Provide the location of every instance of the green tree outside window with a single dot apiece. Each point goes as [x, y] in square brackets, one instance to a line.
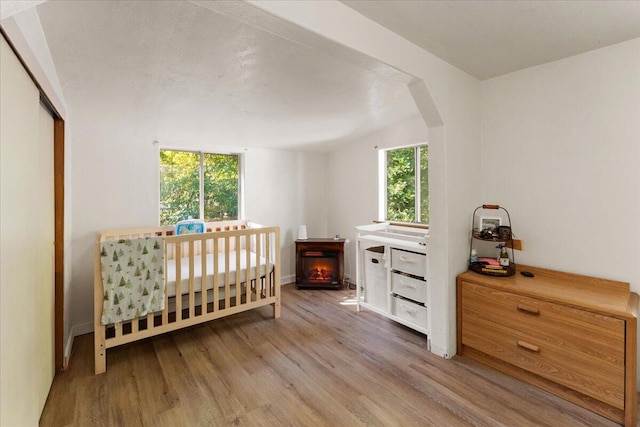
[200, 185]
[221, 187]
[407, 184]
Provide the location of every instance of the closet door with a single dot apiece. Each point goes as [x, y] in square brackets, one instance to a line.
[27, 246]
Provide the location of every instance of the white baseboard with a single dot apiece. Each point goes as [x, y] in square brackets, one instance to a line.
[285, 280]
[81, 329]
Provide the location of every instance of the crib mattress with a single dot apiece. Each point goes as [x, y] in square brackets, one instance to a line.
[197, 273]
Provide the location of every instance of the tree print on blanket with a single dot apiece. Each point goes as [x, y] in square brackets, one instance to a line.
[133, 278]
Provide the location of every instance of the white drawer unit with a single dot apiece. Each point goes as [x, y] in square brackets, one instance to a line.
[409, 287]
[409, 262]
[408, 310]
[391, 273]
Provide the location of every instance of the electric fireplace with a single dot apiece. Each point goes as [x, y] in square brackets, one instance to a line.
[319, 263]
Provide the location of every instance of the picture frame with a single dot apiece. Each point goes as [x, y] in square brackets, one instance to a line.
[490, 222]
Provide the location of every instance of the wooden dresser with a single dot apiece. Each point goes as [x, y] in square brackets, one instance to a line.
[574, 336]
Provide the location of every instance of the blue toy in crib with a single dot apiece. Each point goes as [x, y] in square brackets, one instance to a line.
[190, 226]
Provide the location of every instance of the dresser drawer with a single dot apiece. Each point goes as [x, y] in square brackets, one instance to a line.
[582, 372]
[409, 311]
[409, 287]
[598, 336]
[409, 262]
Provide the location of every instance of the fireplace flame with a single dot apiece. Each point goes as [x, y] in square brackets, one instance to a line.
[320, 272]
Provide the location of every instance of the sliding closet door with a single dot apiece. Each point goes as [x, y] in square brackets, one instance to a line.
[27, 246]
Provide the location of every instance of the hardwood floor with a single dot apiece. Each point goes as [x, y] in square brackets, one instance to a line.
[320, 364]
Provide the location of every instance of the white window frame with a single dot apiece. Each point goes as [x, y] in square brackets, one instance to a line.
[382, 181]
[241, 184]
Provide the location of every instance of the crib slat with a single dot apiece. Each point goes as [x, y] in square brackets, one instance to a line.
[150, 324]
[118, 328]
[165, 312]
[204, 307]
[178, 293]
[258, 278]
[247, 270]
[276, 274]
[216, 284]
[100, 359]
[267, 257]
[227, 287]
[238, 279]
[192, 256]
[134, 325]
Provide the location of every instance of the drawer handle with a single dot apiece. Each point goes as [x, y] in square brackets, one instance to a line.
[408, 309]
[530, 347]
[407, 260]
[529, 310]
[408, 285]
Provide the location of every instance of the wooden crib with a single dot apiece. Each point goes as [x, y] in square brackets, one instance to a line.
[233, 267]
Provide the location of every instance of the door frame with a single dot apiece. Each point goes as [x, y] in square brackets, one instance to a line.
[58, 184]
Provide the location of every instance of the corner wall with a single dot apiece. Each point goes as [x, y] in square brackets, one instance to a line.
[560, 150]
[352, 191]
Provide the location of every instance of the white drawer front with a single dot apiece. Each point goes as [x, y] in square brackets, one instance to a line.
[409, 287]
[409, 262]
[409, 311]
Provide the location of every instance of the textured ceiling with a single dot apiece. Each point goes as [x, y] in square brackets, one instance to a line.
[187, 74]
[490, 38]
[184, 73]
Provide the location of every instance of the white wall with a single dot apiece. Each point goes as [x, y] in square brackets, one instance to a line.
[560, 150]
[286, 188]
[312, 193]
[27, 253]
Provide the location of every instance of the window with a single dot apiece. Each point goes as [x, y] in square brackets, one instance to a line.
[405, 179]
[200, 185]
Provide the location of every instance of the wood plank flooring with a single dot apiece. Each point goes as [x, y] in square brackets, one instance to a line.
[320, 364]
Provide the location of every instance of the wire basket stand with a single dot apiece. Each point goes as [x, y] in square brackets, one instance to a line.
[477, 234]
